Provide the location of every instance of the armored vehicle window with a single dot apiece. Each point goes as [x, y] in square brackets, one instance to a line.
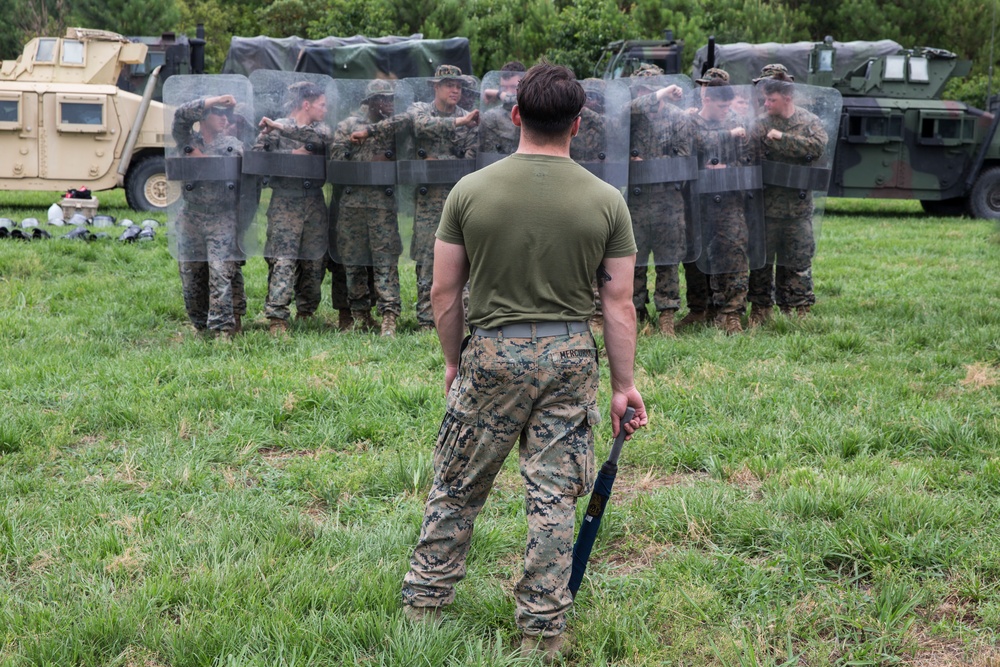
[46, 51]
[895, 68]
[80, 113]
[940, 128]
[918, 70]
[874, 129]
[9, 114]
[72, 52]
[153, 60]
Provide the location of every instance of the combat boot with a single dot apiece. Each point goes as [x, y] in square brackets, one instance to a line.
[345, 320]
[665, 324]
[729, 322]
[389, 324]
[548, 649]
[363, 320]
[691, 319]
[759, 315]
[801, 311]
[428, 615]
[277, 326]
[785, 310]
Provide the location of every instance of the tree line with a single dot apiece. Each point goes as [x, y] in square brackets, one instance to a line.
[569, 33]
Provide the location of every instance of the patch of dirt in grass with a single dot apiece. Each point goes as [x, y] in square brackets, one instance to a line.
[980, 376]
[128, 562]
[744, 478]
[633, 482]
[276, 455]
[634, 555]
[938, 652]
[41, 562]
[133, 656]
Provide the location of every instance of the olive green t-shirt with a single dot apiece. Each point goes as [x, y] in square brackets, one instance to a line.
[535, 229]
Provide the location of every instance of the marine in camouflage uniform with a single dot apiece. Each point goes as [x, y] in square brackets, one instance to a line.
[789, 134]
[367, 227]
[207, 225]
[297, 223]
[658, 129]
[698, 290]
[497, 132]
[585, 147]
[723, 143]
[527, 376]
[441, 131]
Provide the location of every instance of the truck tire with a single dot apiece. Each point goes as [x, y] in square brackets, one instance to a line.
[984, 200]
[146, 185]
[944, 208]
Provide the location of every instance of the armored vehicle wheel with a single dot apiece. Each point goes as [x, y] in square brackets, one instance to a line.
[984, 200]
[944, 208]
[146, 185]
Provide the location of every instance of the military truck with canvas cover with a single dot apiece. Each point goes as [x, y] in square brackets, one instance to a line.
[897, 138]
[65, 124]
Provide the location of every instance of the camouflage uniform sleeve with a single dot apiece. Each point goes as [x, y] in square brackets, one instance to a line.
[340, 144]
[802, 139]
[318, 134]
[185, 117]
[427, 124]
[387, 128]
[684, 133]
[266, 141]
[645, 105]
[226, 146]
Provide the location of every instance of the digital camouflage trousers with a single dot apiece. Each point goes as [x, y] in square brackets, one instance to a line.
[539, 394]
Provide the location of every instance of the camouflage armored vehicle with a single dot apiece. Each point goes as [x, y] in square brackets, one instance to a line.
[898, 139]
[619, 59]
[172, 53]
[65, 124]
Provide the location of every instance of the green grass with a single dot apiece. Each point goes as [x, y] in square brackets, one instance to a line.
[818, 492]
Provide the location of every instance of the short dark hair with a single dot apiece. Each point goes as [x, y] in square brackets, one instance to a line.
[513, 66]
[549, 99]
[779, 83]
[717, 89]
[303, 91]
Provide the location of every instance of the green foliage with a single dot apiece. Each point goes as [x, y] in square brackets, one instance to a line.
[285, 18]
[582, 29]
[345, 18]
[129, 17]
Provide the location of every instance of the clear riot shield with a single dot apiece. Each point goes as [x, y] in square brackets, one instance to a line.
[437, 144]
[601, 145]
[498, 136]
[796, 134]
[211, 220]
[288, 158]
[362, 169]
[661, 170]
[729, 200]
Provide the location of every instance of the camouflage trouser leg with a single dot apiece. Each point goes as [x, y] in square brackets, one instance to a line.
[425, 278]
[220, 296]
[309, 276]
[790, 246]
[387, 288]
[729, 292]
[280, 287]
[761, 286]
[538, 393]
[338, 287]
[598, 307]
[239, 291]
[699, 293]
[793, 287]
[668, 288]
[194, 286]
[368, 285]
[640, 293]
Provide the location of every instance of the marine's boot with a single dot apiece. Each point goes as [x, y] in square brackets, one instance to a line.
[277, 326]
[801, 311]
[345, 320]
[363, 320]
[759, 315]
[729, 322]
[665, 323]
[786, 310]
[548, 649]
[428, 615]
[691, 319]
[389, 324]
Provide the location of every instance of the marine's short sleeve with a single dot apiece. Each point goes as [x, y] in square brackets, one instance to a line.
[621, 242]
[450, 228]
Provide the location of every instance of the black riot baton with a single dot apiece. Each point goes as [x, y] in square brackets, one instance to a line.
[595, 508]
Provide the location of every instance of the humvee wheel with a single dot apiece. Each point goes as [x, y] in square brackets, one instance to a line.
[984, 200]
[147, 187]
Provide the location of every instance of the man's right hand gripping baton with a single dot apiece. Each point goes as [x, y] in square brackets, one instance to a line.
[595, 508]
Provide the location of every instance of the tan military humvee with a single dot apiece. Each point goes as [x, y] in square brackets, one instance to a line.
[65, 124]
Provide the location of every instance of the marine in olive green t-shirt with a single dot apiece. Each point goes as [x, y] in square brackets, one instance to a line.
[535, 265]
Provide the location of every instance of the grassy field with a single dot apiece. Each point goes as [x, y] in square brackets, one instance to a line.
[818, 492]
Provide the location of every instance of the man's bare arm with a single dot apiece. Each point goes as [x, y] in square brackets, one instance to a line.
[451, 272]
[619, 340]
